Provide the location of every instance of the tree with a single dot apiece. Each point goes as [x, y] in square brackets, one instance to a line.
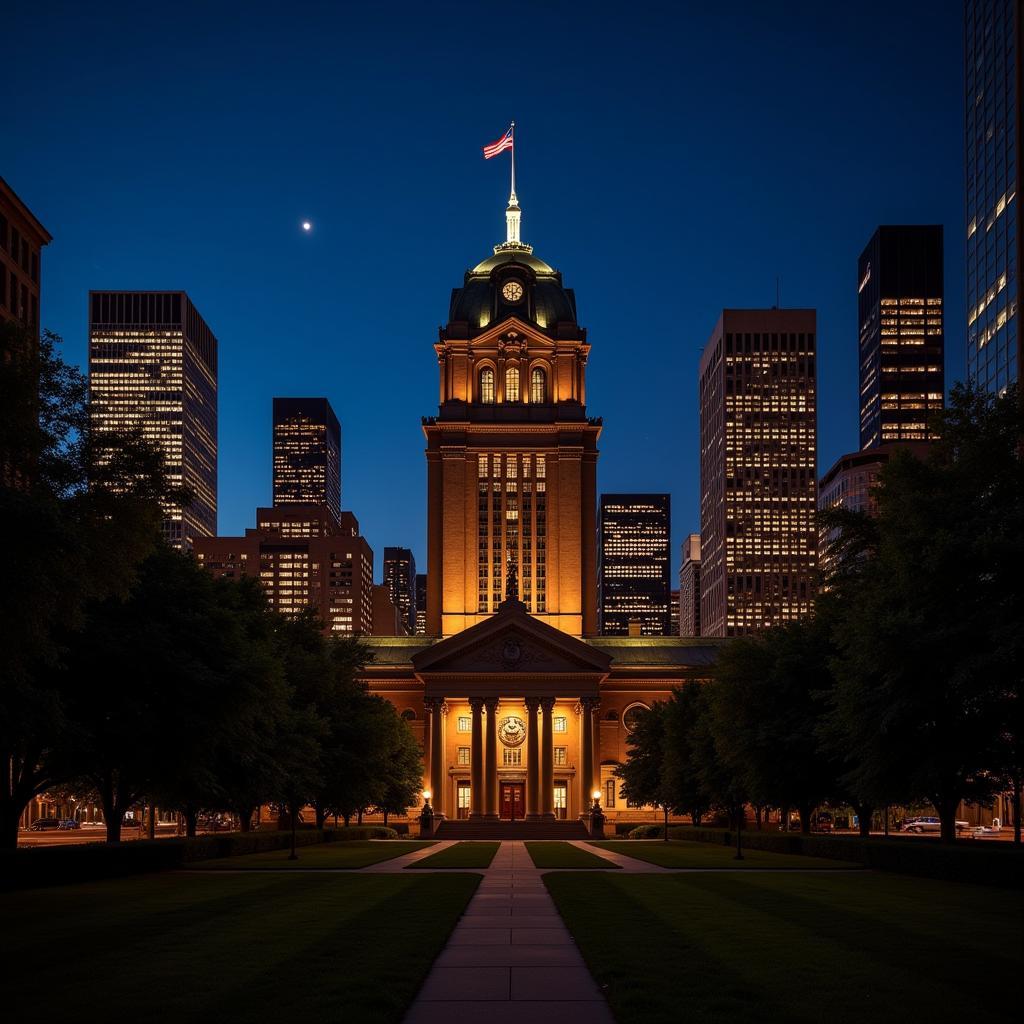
[85, 511]
[928, 668]
[645, 776]
[683, 777]
[398, 764]
[766, 706]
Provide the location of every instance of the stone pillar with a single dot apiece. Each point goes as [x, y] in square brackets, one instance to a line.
[437, 781]
[476, 760]
[491, 760]
[586, 768]
[532, 759]
[547, 755]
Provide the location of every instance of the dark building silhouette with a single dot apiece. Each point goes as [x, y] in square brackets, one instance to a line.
[153, 365]
[22, 238]
[307, 453]
[993, 157]
[634, 573]
[689, 587]
[899, 303]
[400, 579]
[758, 470]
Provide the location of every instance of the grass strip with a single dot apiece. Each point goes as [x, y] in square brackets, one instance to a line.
[461, 855]
[560, 854]
[232, 948]
[753, 947]
[348, 855]
[681, 854]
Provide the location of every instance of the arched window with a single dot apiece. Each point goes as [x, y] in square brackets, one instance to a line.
[538, 385]
[487, 386]
[512, 384]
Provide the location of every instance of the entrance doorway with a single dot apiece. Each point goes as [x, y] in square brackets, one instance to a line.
[513, 803]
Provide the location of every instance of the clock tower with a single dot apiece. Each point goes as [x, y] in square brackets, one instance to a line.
[512, 454]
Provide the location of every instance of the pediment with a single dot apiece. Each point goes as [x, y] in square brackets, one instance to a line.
[512, 641]
[512, 330]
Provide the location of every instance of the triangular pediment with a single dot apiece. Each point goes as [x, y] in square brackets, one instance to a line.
[512, 641]
[519, 330]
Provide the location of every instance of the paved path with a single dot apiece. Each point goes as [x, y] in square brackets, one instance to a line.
[510, 957]
[398, 863]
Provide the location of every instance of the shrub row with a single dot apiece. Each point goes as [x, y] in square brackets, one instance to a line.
[992, 864]
[86, 862]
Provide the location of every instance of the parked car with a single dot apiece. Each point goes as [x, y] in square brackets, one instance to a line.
[44, 825]
[822, 823]
[923, 823]
[69, 825]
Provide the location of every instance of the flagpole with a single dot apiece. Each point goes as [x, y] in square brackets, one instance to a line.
[513, 129]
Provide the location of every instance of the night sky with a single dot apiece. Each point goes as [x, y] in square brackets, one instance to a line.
[670, 162]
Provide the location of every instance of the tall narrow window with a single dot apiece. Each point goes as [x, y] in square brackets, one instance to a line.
[487, 386]
[538, 385]
[512, 384]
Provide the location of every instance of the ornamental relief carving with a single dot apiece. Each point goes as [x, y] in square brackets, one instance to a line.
[511, 654]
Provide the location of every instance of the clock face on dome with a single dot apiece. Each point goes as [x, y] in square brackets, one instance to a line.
[513, 291]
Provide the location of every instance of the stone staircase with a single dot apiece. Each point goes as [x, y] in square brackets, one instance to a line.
[543, 829]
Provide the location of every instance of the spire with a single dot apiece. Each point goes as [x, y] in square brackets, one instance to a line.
[513, 214]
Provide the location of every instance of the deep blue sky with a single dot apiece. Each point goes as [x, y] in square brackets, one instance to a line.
[672, 159]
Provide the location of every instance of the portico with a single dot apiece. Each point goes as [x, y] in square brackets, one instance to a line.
[511, 705]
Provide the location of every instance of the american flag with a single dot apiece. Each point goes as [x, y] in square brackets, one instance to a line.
[505, 142]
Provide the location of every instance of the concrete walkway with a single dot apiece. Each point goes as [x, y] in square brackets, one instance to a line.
[510, 957]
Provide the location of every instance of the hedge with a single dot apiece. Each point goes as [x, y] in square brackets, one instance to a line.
[996, 864]
[87, 862]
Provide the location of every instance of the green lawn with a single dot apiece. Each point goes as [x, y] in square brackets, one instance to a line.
[355, 853]
[682, 854]
[461, 855]
[798, 947]
[257, 947]
[564, 855]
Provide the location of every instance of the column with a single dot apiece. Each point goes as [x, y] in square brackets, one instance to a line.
[547, 757]
[532, 759]
[476, 760]
[437, 781]
[491, 760]
[586, 767]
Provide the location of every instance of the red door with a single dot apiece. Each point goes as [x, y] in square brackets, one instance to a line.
[513, 805]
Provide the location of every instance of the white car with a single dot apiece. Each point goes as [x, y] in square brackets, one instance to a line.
[930, 824]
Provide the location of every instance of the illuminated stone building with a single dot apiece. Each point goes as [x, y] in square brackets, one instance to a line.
[634, 581]
[304, 557]
[993, 157]
[758, 480]
[512, 454]
[153, 365]
[307, 454]
[523, 711]
[899, 303]
[400, 579]
[689, 587]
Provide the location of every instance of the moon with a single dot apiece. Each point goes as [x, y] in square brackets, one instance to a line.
[307, 225]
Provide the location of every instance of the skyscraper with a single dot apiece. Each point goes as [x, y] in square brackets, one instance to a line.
[689, 587]
[307, 453]
[512, 453]
[899, 302]
[153, 365]
[758, 461]
[634, 575]
[993, 157]
[400, 579]
[421, 604]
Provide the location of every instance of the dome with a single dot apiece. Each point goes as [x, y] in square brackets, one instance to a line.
[479, 302]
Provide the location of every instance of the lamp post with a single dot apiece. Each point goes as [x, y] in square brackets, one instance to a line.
[426, 816]
[596, 816]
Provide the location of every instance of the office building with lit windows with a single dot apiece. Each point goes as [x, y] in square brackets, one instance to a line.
[303, 557]
[902, 344]
[689, 587]
[634, 574]
[153, 366]
[400, 579]
[307, 453]
[758, 470]
[993, 156]
[421, 604]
